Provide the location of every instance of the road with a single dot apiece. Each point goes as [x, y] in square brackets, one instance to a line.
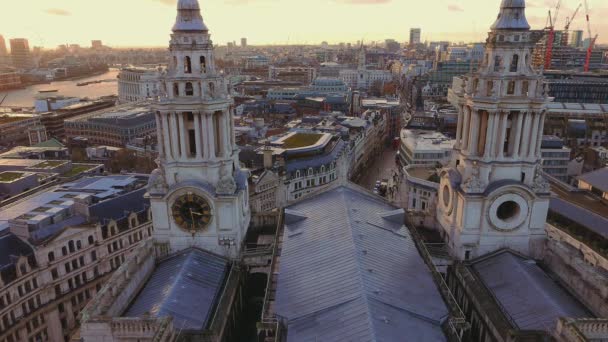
[384, 167]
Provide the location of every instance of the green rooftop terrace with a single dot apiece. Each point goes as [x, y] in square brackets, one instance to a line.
[7, 177]
[300, 140]
[49, 164]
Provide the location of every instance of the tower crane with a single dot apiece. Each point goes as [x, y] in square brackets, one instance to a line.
[551, 38]
[565, 34]
[592, 39]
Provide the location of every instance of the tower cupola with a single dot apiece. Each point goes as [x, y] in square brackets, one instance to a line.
[189, 17]
[512, 16]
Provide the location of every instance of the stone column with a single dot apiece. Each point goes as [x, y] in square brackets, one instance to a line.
[474, 133]
[494, 142]
[174, 136]
[525, 138]
[225, 127]
[518, 130]
[459, 128]
[211, 135]
[182, 135]
[502, 132]
[466, 128]
[541, 124]
[166, 136]
[534, 135]
[205, 137]
[197, 135]
[159, 133]
[489, 135]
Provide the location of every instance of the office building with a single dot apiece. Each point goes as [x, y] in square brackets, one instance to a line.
[424, 148]
[9, 79]
[20, 54]
[555, 157]
[415, 36]
[96, 44]
[243, 42]
[117, 126]
[137, 84]
[3, 50]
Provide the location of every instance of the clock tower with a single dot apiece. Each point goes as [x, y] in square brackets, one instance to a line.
[493, 196]
[199, 196]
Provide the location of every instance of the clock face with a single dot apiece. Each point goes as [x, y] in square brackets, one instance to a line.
[192, 212]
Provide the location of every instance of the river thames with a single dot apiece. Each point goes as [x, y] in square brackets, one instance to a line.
[25, 97]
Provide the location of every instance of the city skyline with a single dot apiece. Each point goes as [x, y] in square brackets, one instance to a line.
[53, 24]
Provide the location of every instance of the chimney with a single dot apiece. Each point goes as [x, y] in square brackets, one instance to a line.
[267, 157]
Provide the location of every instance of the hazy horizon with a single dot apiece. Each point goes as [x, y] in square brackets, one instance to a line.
[147, 23]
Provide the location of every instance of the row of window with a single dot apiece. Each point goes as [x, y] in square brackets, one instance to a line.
[71, 247]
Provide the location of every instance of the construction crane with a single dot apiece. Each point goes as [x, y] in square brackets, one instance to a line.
[565, 34]
[592, 39]
[551, 38]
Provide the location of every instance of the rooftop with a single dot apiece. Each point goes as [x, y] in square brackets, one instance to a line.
[349, 270]
[597, 179]
[528, 296]
[185, 287]
[9, 176]
[422, 140]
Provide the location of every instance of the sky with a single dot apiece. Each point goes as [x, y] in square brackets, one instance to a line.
[143, 23]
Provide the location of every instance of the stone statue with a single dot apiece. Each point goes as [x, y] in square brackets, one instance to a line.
[473, 184]
[226, 185]
[540, 184]
[157, 183]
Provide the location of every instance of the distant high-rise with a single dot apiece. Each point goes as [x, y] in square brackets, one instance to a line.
[3, 51]
[96, 44]
[415, 34]
[20, 53]
[243, 42]
[576, 38]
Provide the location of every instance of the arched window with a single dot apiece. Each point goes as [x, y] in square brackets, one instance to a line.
[298, 174]
[64, 250]
[524, 88]
[211, 89]
[91, 240]
[187, 65]
[174, 62]
[497, 63]
[203, 62]
[310, 171]
[78, 245]
[514, 63]
[71, 246]
[51, 256]
[175, 89]
[189, 89]
[323, 169]
[490, 88]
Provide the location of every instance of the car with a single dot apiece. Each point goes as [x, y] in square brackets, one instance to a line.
[378, 183]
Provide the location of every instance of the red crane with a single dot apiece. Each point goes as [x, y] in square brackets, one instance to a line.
[592, 39]
[551, 38]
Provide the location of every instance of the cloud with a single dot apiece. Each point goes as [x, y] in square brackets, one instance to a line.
[455, 8]
[363, 2]
[57, 11]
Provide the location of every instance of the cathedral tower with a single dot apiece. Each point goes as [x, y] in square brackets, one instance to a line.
[199, 195]
[492, 196]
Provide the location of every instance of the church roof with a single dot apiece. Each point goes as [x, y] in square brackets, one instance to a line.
[189, 17]
[184, 287]
[350, 270]
[512, 16]
[525, 292]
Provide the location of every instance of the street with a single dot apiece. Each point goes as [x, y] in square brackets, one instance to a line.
[385, 167]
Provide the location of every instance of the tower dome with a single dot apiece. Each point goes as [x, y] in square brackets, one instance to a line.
[189, 17]
[512, 16]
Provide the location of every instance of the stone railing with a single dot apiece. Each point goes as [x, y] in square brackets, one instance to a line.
[141, 328]
[122, 287]
[589, 254]
[570, 330]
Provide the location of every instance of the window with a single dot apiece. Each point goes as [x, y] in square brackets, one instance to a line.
[490, 88]
[187, 65]
[54, 273]
[78, 245]
[175, 89]
[189, 89]
[497, 63]
[51, 256]
[525, 87]
[203, 64]
[91, 240]
[64, 250]
[511, 88]
[514, 63]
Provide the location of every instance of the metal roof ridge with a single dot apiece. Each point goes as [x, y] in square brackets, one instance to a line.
[357, 257]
